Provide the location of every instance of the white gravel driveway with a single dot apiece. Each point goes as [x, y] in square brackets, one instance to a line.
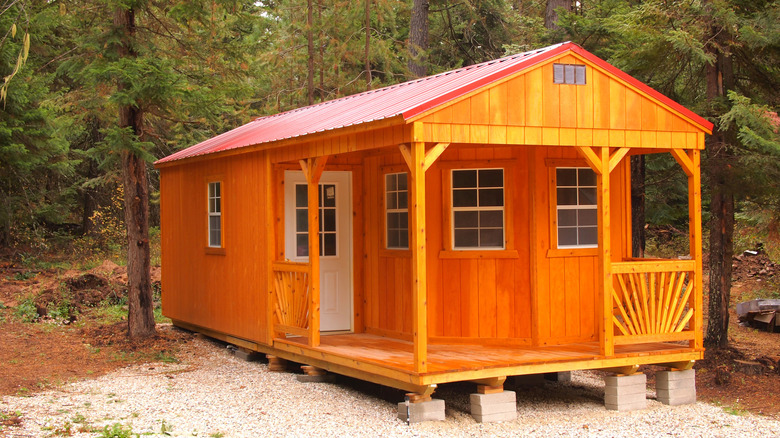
[213, 394]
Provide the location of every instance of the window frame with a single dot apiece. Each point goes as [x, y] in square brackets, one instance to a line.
[212, 248]
[448, 252]
[394, 170]
[566, 251]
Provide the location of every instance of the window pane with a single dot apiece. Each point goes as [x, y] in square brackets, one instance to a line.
[491, 197]
[587, 217]
[301, 220]
[392, 238]
[217, 191]
[464, 198]
[589, 235]
[466, 219]
[402, 202]
[404, 239]
[467, 238]
[587, 177]
[566, 177]
[330, 195]
[212, 190]
[568, 73]
[567, 236]
[214, 238]
[491, 219]
[390, 182]
[215, 232]
[403, 220]
[464, 178]
[392, 221]
[330, 219]
[212, 205]
[401, 181]
[567, 196]
[491, 238]
[302, 245]
[587, 196]
[392, 201]
[301, 195]
[567, 218]
[579, 72]
[557, 73]
[329, 247]
[491, 178]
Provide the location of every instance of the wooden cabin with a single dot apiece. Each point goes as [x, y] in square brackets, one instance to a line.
[466, 226]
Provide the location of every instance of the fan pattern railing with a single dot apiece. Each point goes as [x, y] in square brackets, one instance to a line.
[653, 301]
[291, 281]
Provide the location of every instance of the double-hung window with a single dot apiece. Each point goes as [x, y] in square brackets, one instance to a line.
[478, 209]
[215, 214]
[577, 208]
[397, 211]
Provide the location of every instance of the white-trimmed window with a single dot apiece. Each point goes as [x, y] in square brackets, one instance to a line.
[215, 214]
[396, 211]
[478, 209]
[577, 208]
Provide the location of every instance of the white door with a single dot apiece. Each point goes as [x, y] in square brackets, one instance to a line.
[335, 241]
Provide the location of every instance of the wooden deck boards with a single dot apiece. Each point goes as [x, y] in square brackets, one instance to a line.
[452, 358]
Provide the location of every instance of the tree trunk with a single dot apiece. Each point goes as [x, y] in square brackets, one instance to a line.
[140, 314]
[720, 78]
[551, 14]
[638, 206]
[418, 38]
[310, 40]
[368, 44]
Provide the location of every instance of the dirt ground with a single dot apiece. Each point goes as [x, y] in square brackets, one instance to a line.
[79, 344]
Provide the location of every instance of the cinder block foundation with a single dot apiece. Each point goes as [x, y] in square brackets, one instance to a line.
[625, 393]
[526, 380]
[676, 387]
[488, 408]
[431, 410]
[563, 376]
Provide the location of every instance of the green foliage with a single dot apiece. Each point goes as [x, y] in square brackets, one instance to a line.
[116, 430]
[26, 311]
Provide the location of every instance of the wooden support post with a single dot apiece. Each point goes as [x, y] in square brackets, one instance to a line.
[312, 170]
[606, 331]
[270, 243]
[419, 279]
[276, 364]
[694, 228]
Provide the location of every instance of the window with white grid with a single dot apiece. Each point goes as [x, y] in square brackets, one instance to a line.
[478, 208]
[396, 211]
[577, 208]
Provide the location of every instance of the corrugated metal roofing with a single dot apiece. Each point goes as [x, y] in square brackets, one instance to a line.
[407, 99]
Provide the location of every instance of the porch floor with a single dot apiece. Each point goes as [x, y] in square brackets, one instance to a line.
[446, 361]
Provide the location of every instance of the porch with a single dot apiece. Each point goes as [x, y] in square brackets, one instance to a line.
[390, 361]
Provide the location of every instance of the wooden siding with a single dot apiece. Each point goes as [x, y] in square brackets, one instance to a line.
[222, 290]
[530, 109]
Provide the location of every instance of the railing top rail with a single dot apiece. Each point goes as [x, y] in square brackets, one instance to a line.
[652, 265]
[288, 266]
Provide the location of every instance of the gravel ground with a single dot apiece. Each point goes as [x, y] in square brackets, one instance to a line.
[210, 393]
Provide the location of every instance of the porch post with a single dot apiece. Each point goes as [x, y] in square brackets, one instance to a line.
[312, 170]
[270, 235]
[419, 278]
[694, 228]
[606, 336]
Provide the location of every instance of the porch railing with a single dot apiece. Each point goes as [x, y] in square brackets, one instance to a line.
[653, 301]
[291, 281]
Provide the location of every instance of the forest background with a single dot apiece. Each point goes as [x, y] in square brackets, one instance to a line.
[75, 72]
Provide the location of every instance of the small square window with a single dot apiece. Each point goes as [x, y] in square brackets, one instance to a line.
[573, 74]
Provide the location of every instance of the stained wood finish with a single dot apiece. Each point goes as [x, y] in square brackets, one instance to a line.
[292, 293]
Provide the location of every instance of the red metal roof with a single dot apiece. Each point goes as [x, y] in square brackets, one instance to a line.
[407, 100]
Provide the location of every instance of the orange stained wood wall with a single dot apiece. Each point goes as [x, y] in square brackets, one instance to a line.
[486, 298]
[222, 290]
